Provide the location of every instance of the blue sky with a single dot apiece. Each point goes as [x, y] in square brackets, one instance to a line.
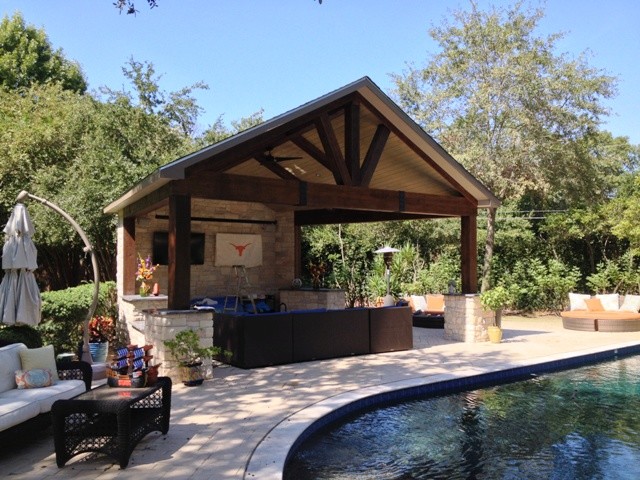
[279, 54]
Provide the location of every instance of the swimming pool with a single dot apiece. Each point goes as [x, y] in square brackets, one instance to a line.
[577, 424]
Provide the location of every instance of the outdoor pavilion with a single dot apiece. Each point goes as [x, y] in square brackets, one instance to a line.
[353, 156]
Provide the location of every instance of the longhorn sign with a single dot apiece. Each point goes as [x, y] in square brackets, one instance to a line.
[240, 248]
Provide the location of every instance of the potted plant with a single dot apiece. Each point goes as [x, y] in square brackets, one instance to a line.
[102, 329]
[495, 299]
[186, 349]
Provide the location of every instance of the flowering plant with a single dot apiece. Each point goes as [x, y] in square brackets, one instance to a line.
[145, 268]
[316, 270]
[101, 329]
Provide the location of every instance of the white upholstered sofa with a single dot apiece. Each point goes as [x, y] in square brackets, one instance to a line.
[20, 405]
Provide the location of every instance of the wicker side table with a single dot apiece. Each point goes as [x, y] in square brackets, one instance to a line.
[110, 420]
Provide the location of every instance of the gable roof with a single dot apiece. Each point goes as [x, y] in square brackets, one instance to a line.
[349, 141]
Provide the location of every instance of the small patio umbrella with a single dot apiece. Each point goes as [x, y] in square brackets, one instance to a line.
[19, 293]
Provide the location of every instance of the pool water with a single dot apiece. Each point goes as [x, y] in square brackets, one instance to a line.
[576, 424]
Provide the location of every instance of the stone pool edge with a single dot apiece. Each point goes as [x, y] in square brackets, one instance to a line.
[269, 457]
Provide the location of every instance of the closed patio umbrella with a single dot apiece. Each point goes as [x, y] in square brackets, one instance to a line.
[19, 293]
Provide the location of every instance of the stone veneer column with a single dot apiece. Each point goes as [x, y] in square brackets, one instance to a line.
[163, 325]
[307, 299]
[465, 320]
[131, 315]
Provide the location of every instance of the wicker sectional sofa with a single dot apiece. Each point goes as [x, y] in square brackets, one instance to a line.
[602, 313]
[18, 407]
[299, 336]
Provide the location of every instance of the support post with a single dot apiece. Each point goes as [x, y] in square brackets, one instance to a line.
[179, 252]
[469, 253]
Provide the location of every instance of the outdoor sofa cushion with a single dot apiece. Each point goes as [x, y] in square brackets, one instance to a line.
[429, 304]
[576, 301]
[610, 301]
[594, 305]
[631, 303]
[20, 405]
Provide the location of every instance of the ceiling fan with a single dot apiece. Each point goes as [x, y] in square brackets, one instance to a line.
[268, 157]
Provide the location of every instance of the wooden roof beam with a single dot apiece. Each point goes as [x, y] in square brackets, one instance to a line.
[374, 153]
[320, 196]
[332, 150]
[352, 140]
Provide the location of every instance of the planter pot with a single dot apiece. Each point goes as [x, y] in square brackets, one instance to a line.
[192, 375]
[495, 334]
[99, 352]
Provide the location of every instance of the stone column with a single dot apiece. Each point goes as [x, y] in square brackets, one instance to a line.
[164, 324]
[465, 320]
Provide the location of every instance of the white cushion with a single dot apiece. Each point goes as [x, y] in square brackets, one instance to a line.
[610, 301]
[419, 302]
[43, 398]
[9, 363]
[576, 301]
[15, 410]
[631, 303]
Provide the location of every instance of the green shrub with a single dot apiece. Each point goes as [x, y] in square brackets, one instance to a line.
[21, 334]
[64, 312]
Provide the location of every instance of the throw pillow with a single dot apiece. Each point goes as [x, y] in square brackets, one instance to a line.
[39, 358]
[435, 303]
[610, 301]
[631, 303]
[36, 378]
[576, 301]
[594, 305]
[418, 303]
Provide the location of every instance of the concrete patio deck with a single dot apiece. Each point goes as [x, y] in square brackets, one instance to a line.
[216, 428]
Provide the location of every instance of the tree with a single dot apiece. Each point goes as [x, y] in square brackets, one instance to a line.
[180, 108]
[513, 112]
[27, 58]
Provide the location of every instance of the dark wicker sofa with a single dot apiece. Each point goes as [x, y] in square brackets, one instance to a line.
[288, 337]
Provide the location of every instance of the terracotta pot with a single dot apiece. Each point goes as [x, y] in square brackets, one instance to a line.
[192, 375]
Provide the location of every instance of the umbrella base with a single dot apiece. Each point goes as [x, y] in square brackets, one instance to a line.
[99, 371]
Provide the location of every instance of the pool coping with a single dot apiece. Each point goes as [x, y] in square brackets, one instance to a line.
[269, 457]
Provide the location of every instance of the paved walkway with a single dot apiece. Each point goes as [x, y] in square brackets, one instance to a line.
[215, 428]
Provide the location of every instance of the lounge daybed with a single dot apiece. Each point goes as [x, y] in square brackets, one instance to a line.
[30, 405]
[287, 337]
[602, 313]
[427, 310]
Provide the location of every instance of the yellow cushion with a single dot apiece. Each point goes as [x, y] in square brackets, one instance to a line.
[43, 357]
[594, 305]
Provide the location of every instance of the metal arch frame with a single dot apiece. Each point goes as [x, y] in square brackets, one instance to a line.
[88, 248]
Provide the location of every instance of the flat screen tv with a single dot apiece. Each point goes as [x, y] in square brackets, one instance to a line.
[161, 248]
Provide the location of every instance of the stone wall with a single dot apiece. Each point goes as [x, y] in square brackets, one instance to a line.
[306, 299]
[163, 325]
[278, 246]
[465, 320]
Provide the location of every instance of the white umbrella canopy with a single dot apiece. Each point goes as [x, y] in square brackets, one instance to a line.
[19, 293]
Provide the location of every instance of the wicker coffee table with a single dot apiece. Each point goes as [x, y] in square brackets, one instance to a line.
[110, 420]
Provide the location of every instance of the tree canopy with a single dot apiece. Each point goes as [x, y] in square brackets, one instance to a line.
[516, 114]
[27, 58]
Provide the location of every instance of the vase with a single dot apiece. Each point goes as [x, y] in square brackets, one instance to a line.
[495, 334]
[145, 289]
[99, 351]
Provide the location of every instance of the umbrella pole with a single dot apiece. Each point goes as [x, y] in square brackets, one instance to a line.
[86, 355]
